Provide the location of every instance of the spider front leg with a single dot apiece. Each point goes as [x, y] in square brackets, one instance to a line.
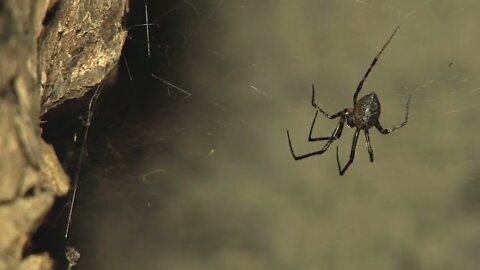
[390, 130]
[338, 130]
[335, 135]
[352, 154]
[320, 109]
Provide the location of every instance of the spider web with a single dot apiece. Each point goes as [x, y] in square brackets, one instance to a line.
[190, 168]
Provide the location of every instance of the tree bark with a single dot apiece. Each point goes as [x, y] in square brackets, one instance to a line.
[44, 62]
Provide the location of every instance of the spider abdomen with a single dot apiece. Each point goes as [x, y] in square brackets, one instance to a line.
[367, 111]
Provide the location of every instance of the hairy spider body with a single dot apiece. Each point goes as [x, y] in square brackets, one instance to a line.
[364, 115]
[366, 112]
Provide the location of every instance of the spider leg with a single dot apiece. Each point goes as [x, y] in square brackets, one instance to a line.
[320, 109]
[389, 130]
[369, 146]
[360, 84]
[352, 154]
[335, 135]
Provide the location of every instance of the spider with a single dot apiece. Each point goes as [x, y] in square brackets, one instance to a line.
[363, 115]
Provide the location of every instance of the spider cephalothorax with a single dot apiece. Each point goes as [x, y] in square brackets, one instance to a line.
[364, 114]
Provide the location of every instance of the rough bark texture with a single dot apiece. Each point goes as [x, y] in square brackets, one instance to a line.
[80, 46]
[40, 67]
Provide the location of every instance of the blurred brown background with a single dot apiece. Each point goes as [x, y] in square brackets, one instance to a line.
[208, 182]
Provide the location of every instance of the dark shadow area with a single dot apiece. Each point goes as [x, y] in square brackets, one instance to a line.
[129, 97]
